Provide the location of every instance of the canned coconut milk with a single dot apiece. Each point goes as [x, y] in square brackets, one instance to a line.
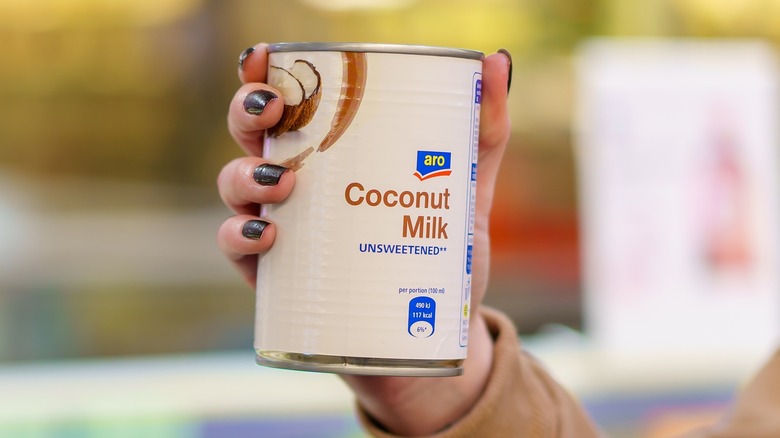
[371, 269]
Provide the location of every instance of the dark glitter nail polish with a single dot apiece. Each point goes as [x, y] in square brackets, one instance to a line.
[256, 101]
[254, 229]
[268, 174]
[509, 80]
[244, 55]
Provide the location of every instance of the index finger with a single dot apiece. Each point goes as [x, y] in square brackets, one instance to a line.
[253, 63]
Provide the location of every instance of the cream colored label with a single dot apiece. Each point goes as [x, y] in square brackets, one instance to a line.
[372, 254]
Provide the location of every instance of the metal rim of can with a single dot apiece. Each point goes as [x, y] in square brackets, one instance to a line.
[377, 48]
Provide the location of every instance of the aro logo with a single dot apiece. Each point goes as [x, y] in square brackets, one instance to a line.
[431, 164]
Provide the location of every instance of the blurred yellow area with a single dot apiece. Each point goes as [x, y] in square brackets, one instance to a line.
[57, 14]
[730, 17]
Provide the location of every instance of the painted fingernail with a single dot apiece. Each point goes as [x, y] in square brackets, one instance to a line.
[268, 174]
[244, 55]
[254, 229]
[255, 102]
[509, 80]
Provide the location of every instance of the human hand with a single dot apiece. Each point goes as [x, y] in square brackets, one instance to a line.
[393, 401]
[249, 181]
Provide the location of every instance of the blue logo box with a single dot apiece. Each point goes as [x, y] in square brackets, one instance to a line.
[431, 164]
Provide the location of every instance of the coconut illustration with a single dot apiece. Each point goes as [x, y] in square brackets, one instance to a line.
[353, 86]
[301, 86]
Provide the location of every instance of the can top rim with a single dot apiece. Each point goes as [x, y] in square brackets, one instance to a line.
[377, 48]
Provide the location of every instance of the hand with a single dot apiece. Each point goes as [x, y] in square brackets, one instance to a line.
[254, 108]
[404, 405]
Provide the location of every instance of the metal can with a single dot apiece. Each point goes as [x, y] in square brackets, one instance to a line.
[370, 272]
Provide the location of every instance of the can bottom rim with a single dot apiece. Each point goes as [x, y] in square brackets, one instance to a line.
[360, 365]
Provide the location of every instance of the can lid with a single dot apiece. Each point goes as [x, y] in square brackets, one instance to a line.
[377, 48]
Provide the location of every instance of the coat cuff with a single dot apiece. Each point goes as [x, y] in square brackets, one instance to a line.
[519, 399]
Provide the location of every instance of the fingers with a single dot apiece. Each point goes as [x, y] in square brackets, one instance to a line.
[241, 238]
[248, 181]
[253, 64]
[254, 108]
[243, 184]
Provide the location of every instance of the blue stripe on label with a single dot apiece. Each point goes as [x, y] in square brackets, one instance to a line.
[469, 254]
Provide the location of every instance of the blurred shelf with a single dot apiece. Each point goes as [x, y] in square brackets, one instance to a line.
[193, 395]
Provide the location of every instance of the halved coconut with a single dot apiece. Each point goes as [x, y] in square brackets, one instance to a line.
[311, 81]
[293, 93]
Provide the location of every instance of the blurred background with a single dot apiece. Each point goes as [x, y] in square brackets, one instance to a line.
[112, 132]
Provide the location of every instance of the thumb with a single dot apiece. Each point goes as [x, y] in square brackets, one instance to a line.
[494, 124]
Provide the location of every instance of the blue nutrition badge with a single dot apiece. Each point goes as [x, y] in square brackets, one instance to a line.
[422, 317]
[431, 164]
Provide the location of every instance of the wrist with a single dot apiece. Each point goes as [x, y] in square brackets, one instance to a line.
[413, 406]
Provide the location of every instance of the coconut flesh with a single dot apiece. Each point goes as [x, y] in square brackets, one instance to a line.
[301, 88]
[288, 84]
[310, 80]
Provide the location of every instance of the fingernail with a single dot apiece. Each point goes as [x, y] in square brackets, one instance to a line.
[268, 174]
[509, 80]
[244, 55]
[254, 229]
[256, 101]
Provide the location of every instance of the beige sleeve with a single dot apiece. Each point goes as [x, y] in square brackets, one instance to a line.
[756, 413]
[520, 399]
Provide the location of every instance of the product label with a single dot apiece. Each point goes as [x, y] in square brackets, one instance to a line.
[373, 251]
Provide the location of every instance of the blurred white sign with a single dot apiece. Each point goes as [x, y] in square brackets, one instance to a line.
[677, 152]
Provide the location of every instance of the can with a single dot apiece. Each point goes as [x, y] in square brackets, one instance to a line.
[370, 272]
